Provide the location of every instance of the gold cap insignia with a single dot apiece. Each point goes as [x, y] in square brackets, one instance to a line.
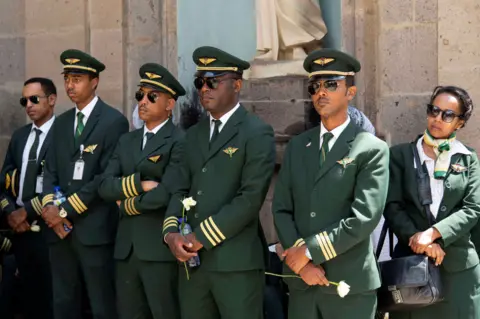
[153, 75]
[324, 61]
[458, 168]
[230, 151]
[345, 161]
[207, 61]
[90, 148]
[72, 61]
[154, 159]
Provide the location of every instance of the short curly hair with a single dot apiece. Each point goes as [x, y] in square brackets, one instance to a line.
[460, 94]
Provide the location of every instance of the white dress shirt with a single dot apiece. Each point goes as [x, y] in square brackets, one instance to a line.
[436, 185]
[87, 111]
[223, 119]
[154, 131]
[336, 133]
[31, 138]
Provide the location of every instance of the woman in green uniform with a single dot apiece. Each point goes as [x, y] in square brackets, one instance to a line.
[455, 187]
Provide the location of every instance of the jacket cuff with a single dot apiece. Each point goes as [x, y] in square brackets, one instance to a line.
[132, 185]
[129, 207]
[7, 207]
[208, 234]
[170, 225]
[47, 200]
[321, 248]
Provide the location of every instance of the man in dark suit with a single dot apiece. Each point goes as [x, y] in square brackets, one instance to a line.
[140, 176]
[229, 161]
[83, 142]
[22, 176]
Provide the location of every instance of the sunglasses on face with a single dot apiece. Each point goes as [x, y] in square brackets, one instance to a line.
[329, 85]
[447, 115]
[212, 83]
[151, 96]
[35, 99]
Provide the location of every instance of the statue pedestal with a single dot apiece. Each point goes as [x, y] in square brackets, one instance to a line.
[260, 69]
[283, 103]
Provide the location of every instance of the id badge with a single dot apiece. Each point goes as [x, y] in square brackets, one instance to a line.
[78, 170]
[39, 186]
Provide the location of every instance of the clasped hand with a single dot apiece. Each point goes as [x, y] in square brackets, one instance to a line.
[299, 263]
[423, 243]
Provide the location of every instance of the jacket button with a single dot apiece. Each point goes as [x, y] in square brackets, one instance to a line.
[313, 214]
[69, 183]
[447, 184]
[443, 208]
[199, 193]
[196, 215]
[204, 170]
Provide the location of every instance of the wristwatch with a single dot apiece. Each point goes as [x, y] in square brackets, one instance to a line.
[62, 213]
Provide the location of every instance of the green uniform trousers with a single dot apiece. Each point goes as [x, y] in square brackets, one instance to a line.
[314, 304]
[147, 289]
[462, 298]
[225, 295]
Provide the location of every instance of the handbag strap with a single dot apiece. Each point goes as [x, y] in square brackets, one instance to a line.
[424, 195]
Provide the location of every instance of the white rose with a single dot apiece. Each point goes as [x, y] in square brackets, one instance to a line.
[188, 203]
[343, 289]
[35, 228]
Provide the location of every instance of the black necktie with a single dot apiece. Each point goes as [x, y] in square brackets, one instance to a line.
[149, 136]
[325, 149]
[30, 181]
[216, 130]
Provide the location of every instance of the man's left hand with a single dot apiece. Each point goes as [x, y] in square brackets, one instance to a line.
[296, 258]
[17, 217]
[50, 215]
[421, 240]
[196, 244]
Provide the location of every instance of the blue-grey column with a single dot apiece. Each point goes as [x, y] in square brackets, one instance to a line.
[332, 13]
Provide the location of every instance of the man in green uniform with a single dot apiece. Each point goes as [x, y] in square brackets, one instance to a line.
[229, 161]
[84, 139]
[329, 196]
[140, 176]
[22, 177]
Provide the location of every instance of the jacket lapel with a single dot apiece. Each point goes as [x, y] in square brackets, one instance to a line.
[203, 136]
[228, 131]
[91, 123]
[22, 142]
[312, 155]
[339, 150]
[411, 177]
[158, 140]
[45, 145]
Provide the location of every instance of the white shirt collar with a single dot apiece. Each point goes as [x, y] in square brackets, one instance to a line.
[87, 110]
[456, 147]
[156, 128]
[226, 116]
[336, 131]
[46, 126]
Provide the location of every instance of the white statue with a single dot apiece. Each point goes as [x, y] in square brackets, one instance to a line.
[288, 29]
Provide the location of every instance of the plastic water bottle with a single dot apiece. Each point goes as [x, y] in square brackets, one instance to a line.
[59, 199]
[187, 229]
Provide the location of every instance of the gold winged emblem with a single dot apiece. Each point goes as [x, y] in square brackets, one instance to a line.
[90, 148]
[207, 61]
[230, 151]
[152, 76]
[72, 61]
[345, 161]
[458, 168]
[154, 159]
[324, 61]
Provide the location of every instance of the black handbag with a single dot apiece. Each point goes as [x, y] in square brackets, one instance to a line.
[414, 281]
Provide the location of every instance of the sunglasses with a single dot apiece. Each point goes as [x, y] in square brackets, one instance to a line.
[35, 99]
[212, 83]
[152, 96]
[329, 85]
[447, 115]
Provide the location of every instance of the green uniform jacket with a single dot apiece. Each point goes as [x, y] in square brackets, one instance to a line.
[142, 214]
[229, 181]
[95, 221]
[458, 213]
[333, 210]
[11, 170]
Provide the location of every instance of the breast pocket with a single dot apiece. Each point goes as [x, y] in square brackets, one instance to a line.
[153, 166]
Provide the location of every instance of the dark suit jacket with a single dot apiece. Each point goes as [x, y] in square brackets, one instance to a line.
[335, 208]
[142, 213]
[229, 181]
[458, 213]
[94, 220]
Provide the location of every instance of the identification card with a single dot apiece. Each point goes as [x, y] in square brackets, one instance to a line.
[78, 170]
[39, 186]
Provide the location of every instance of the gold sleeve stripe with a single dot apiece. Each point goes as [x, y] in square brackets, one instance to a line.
[172, 218]
[170, 224]
[4, 243]
[132, 183]
[129, 192]
[212, 233]
[14, 175]
[134, 210]
[37, 206]
[216, 228]
[202, 227]
[79, 201]
[74, 204]
[4, 203]
[329, 244]
[325, 246]
[128, 209]
[320, 243]
[299, 242]
[124, 187]
[47, 199]
[8, 246]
